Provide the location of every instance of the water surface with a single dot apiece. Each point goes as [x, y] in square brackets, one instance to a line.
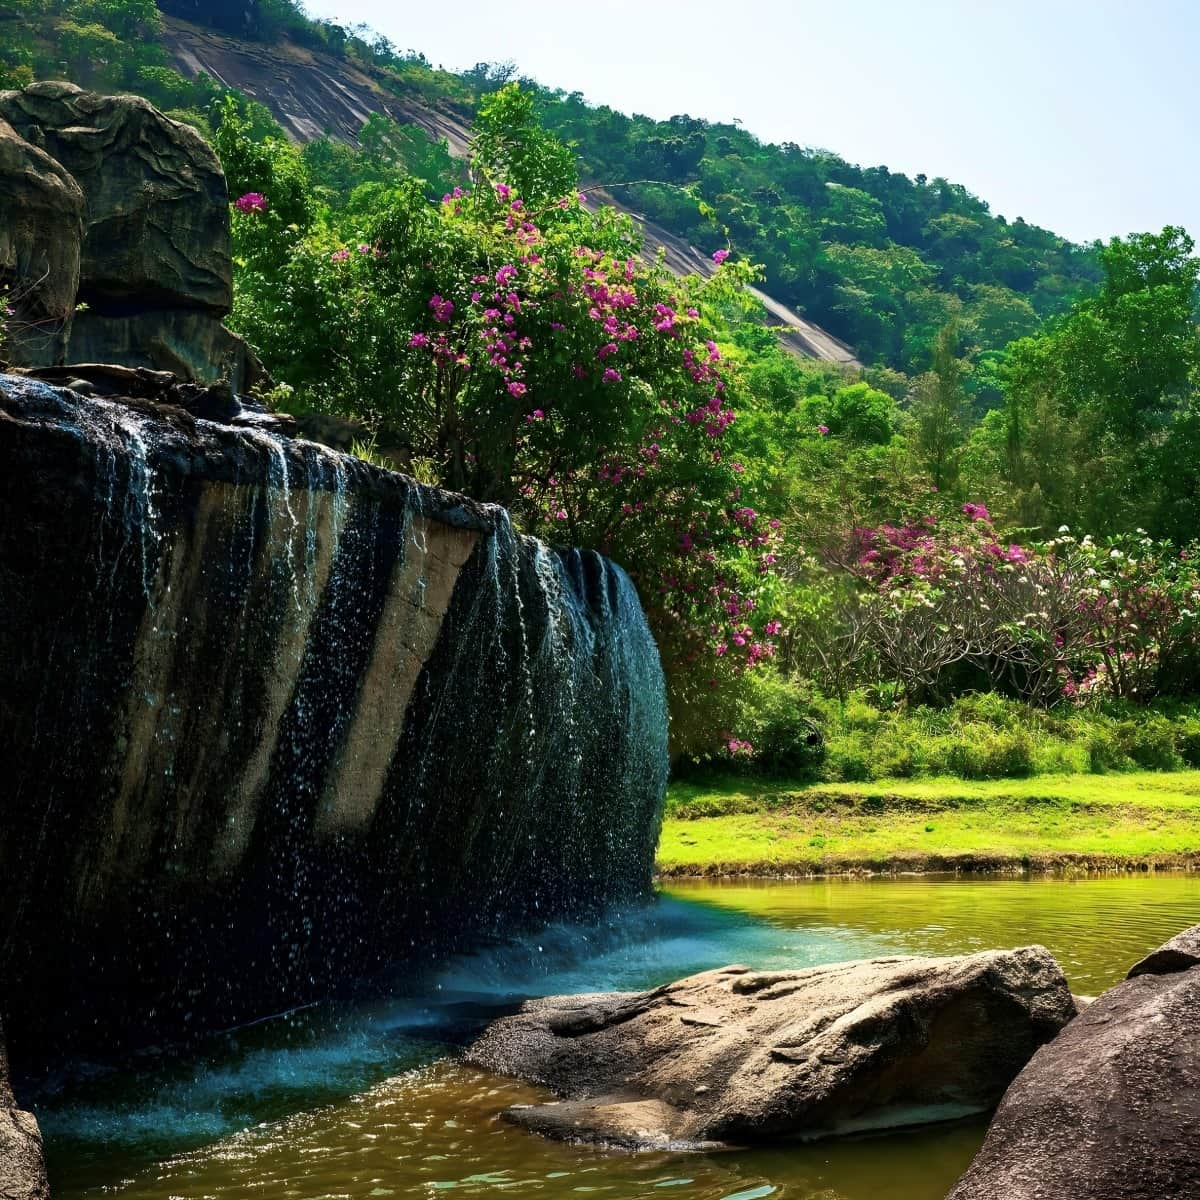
[367, 1100]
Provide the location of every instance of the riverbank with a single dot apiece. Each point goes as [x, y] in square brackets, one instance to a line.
[729, 825]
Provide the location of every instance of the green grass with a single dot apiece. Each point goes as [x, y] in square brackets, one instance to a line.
[729, 824]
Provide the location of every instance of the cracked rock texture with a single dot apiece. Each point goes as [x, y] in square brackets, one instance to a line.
[1110, 1110]
[739, 1056]
[41, 232]
[154, 266]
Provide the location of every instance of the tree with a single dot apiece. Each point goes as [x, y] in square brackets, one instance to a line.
[939, 408]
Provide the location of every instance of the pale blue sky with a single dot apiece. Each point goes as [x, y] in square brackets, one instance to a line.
[1079, 115]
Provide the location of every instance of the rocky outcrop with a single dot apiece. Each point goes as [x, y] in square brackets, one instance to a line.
[155, 268]
[41, 232]
[1110, 1110]
[742, 1056]
[275, 720]
[22, 1169]
[157, 205]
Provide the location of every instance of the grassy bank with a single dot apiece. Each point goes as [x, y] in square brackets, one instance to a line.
[730, 824]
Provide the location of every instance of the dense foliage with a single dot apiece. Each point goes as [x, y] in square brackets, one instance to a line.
[1000, 510]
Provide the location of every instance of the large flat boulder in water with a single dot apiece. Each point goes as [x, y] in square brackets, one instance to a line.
[1110, 1110]
[739, 1056]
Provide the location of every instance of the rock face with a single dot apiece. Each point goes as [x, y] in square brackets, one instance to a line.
[275, 720]
[1110, 1110]
[22, 1171]
[41, 232]
[739, 1056]
[155, 268]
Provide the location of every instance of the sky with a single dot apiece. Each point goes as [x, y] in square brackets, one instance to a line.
[1079, 115]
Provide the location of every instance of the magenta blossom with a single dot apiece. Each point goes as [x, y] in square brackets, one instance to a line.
[822, 429]
[418, 341]
[251, 202]
[720, 256]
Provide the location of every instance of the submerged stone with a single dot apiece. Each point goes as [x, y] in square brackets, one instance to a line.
[737, 1056]
[275, 720]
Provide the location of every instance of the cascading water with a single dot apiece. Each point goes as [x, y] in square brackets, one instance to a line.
[275, 719]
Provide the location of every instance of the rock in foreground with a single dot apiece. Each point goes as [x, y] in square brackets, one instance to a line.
[22, 1171]
[1111, 1109]
[739, 1056]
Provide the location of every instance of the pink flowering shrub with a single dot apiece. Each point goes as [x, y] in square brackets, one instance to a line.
[941, 603]
[525, 353]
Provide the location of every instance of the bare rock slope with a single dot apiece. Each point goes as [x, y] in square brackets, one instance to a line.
[311, 94]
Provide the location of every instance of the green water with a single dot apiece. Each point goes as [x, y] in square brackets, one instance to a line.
[369, 1102]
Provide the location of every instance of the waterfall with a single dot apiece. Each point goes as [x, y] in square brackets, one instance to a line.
[278, 720]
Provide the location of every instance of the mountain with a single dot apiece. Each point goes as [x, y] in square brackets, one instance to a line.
[853, 257]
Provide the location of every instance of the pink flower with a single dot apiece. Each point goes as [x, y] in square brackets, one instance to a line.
[611, 375]
[977, 512]
[418, 341]
[606, 351]
[339, 256]
[773, 627]
[517, 388]
[536, 415]
[720, 256]
[503, 191]
[363, 248]
[443, 309]
[822, 429]
[251, 202]
[561, 515]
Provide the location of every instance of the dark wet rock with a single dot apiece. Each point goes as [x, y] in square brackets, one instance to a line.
[740, 1056]
[276, 720]
[22, 1168]
[1110, 1110]
[41, 232]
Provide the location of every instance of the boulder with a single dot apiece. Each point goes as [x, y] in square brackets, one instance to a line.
[157, 204]
[155, 267]
[1110, 1110]
[41, 232]
[1181, 953]
[22, 1169]
[736, 1056]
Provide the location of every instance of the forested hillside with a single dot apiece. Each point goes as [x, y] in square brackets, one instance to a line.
[880, 260]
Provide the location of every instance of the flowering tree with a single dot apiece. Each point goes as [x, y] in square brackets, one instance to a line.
[1072, 618]
[516, 347]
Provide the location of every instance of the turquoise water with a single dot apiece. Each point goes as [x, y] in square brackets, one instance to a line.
[367, 1100]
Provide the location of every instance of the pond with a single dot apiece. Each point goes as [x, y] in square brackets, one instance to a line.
[368, 1101]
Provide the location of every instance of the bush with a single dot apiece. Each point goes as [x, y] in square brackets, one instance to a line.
[775, 719]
